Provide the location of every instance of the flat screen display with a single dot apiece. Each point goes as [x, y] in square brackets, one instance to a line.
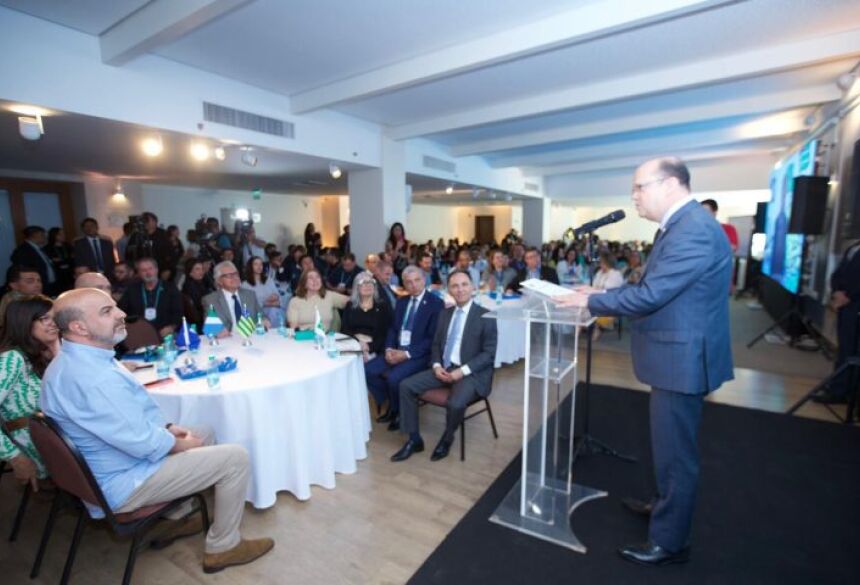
[783, 252]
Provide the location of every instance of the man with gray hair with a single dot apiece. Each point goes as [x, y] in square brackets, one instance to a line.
[152, 299]
[230, 301]
[136, 456]
[407, 346]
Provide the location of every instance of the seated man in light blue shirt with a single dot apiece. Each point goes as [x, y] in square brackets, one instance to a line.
[136, 458]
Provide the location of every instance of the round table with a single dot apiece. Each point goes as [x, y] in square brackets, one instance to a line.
[511, 339]
[301, 415]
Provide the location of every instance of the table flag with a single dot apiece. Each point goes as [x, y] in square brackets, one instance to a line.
[212, 325]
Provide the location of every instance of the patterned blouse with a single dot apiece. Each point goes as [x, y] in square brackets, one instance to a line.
[19, 396]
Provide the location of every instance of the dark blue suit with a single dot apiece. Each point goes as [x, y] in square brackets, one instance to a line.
[383, 380]
[681, 346]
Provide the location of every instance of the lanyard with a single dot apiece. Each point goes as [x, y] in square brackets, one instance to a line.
[143, 296]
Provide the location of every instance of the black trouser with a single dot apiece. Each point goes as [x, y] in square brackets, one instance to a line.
[463, 392]
[846, 333]
[675, 421]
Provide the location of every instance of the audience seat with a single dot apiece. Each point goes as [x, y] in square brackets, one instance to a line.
[76, 484]
[439, 397]
[140, 334]
[25, 496]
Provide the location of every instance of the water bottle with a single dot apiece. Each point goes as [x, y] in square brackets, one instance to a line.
[261, 329]
[282, 328]
[170, 350]
[162, 365]
[213, 376]
[331, 345]
[500, 292]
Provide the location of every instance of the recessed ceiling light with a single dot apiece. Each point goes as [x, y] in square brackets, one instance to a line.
[199, 151]
[334, 171]
[248, 156]
[152, 146]
[220, 153]
[30, 127]
[449, 189]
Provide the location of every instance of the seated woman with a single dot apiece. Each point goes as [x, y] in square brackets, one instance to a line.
[193, 290]
[311, 296]
[264, 288]
[606, 278]
[30, 341]
[367, 317]
[497, 274]
[569, 271]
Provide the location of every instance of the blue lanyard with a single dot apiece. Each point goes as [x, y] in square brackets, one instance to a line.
[143, 296]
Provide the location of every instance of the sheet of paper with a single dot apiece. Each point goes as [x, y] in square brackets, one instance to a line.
[544, 288]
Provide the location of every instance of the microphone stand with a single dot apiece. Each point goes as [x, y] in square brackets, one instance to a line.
[586, 443]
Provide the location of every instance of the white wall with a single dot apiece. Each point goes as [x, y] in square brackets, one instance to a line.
[431, 222]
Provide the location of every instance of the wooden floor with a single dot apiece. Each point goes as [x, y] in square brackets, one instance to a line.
[377, 526]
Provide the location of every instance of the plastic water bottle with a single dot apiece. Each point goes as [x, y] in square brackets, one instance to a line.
[331, 345]
[162, 365]
[282, 328]
[213, 376]
[500, 292]
[261, 329]
[170, 350]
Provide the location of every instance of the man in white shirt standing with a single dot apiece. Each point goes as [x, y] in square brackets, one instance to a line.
[462, 357]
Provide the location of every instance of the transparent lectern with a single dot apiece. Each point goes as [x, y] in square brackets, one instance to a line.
[541, 502]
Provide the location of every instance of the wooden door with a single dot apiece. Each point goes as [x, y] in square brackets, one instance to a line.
[485, 228]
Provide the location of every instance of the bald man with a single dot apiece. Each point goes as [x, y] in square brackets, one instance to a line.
[95, 280]
[680, 344]
[136, 456]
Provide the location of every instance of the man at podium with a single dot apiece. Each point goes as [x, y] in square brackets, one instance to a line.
[679, 342]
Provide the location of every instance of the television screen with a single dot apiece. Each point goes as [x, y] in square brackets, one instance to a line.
[783, 252]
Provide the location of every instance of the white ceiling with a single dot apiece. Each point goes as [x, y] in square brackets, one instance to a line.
[704, 78]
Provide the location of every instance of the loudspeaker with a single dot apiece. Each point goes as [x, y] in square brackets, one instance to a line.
[808, 205]
[852, 200]
[760, 217]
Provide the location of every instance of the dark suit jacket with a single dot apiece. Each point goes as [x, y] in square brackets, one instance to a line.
[225, 311]
[547, 274]
[477, 347]
[423, 328]
[168, 311]
[26, 255]
[679, 309]
[84, 255]
[846, 277]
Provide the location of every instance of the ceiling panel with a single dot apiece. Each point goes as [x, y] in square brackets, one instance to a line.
[89, 16]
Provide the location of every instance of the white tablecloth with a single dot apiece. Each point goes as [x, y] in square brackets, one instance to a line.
[301, 415]
[511, 345]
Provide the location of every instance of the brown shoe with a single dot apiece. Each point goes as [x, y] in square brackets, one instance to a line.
[244, 552]
[177, 529]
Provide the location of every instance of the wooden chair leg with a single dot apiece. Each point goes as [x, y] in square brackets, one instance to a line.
[73, 549]
[19, 515]
[492, 420]
[46, 534]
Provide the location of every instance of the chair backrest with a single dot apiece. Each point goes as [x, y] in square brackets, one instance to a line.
[141, 333]
[68, 469]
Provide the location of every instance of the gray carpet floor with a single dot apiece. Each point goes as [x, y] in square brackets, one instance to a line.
[747, 323]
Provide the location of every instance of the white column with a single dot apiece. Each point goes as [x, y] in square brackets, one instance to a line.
[536, 220]
[377, 199]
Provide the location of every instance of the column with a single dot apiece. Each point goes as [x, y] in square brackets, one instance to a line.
[536, 220]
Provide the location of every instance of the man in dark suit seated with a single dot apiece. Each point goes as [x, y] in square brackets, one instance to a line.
[680, 345]
[30, 253]
[94, 251]
[407, 347]
[153, 299]
[463, 354]
[533, 269]
[340, 277]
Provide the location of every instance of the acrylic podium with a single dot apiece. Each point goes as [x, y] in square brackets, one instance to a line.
[541, 502]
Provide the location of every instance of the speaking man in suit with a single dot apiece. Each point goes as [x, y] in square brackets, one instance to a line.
[680, 344]
[407, 345]
[30, 253]
[534, 269]
[463, 354]
[229, 300]
[93, 250]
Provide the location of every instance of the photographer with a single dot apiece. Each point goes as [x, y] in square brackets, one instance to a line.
[147, 240]
[247, 242]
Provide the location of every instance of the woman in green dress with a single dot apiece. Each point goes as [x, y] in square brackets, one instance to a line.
[30, 340]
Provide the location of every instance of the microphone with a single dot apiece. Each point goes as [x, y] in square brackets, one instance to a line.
[590, 226]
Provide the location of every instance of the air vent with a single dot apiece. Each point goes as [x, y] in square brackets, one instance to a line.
[247, 120]
[533, 187]
[431, 162]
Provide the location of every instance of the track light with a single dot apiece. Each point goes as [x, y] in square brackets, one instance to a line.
[118, 193]
[248, 156]
[492, 194]
[199, 151]
[31, 127]
[846, 80]
[334, 171]
[152, 146]
[476, 193]
[220, 153]
[449, 189]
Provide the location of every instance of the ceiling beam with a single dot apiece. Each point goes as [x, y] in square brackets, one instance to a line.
[631, 162]
[157, 23]
[757, 104]
[740, 134]
[581, 24]
[763, 61]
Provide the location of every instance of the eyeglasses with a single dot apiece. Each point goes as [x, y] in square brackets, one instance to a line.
[639, 187]
[230, 275]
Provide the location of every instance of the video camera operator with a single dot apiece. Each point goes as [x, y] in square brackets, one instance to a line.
[147, 240]
[247, 242]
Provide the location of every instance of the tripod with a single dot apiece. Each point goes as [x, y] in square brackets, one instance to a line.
[785, 319]
[851, 369]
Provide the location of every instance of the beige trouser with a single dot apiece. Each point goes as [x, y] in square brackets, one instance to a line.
[225, 466]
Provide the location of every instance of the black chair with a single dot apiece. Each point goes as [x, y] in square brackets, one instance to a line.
[25, 497]
[76, 485]
[439, 397]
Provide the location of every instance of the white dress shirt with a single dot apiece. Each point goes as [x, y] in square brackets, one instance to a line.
[671, 211]
[455, 352]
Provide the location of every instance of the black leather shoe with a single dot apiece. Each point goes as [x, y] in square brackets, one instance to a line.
[637, 506]
[441, 450]
[653, 554]
[394, 424]
[827, 398]
[407, 450]
[387, 417]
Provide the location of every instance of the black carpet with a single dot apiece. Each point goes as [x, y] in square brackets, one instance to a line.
[779, 502]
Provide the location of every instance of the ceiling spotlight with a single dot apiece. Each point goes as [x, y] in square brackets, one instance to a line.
[118, 192]
[845, 81]
[31, 127]
[449, 189]
[199, 151]
[334, 171]
[152, 146]
[248, 156]
[476, 193]
[220, 153]
[492, 194]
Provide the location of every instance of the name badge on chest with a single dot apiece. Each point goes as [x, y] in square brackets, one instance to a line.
[405, 338]
[149, 314]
